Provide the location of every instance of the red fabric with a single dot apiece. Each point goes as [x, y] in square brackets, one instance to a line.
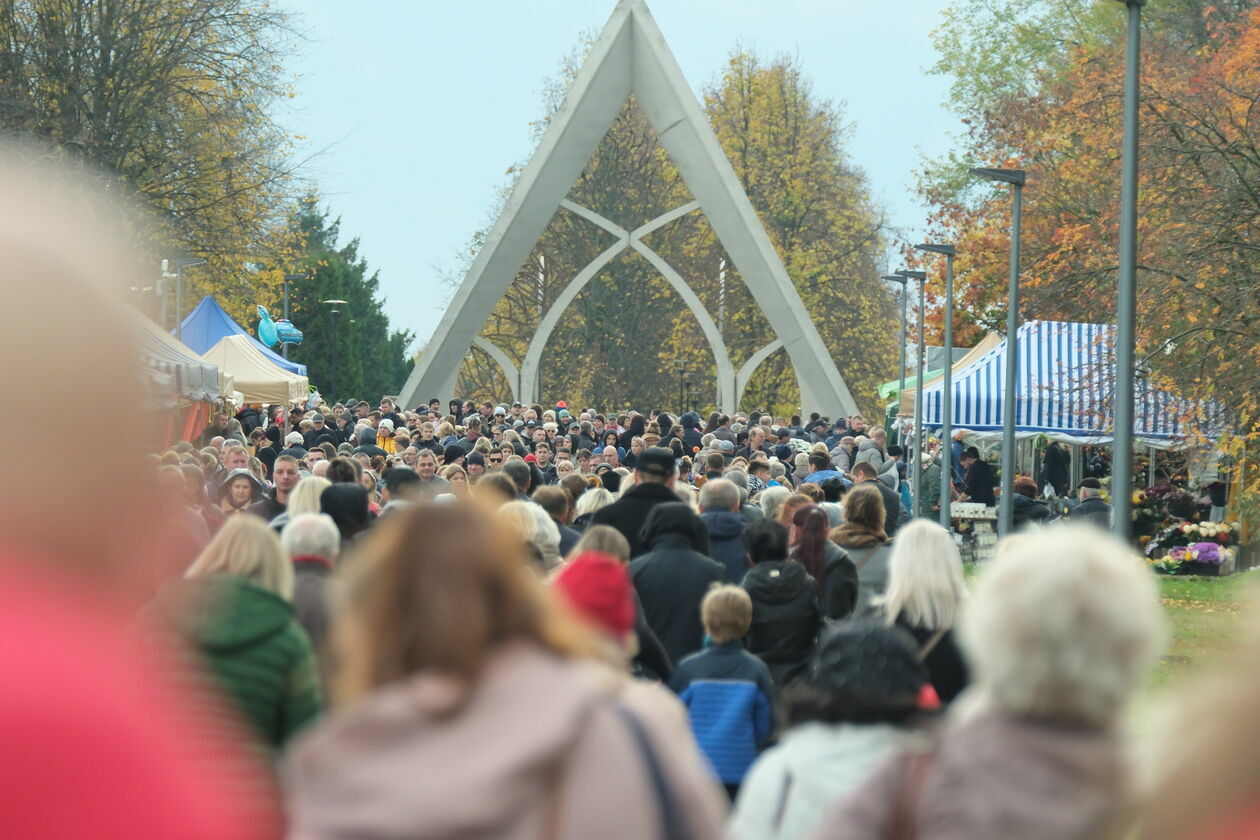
[95, 747]
[928, 698]
[530, 459]
[599, 588]
[1236, 826]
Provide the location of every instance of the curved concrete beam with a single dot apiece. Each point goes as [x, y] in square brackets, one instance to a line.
[509, 369]
[749, 367]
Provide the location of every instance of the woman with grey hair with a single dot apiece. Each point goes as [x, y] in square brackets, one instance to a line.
[312, 542]
[1061, 633]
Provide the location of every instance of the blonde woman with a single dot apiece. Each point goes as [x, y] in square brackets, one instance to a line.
[235, 609]
[925, 595]
[303, 499]
[591, 501]
[536, 529]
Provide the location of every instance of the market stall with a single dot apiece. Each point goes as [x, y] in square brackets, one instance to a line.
[182, 385]
[255, 378]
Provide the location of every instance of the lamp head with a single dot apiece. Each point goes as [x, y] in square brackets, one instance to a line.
[912, 275]
[894, 278]
[1008, 176]
[947, 250]
[335, 302]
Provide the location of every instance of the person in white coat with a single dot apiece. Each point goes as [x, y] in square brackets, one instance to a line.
[853, 710]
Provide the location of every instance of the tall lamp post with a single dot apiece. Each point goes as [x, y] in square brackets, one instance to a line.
[335, 313]
[680, 368]
[1006, 509]
[905, 309]
[947, 382]
[916, 466]
[284, 348]
[1126, 293]
[180, 265]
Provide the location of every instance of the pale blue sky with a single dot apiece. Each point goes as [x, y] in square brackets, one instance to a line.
[417, 108]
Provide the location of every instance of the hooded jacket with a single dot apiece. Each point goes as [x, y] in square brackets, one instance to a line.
[786, 617]
[367, 444]
[254, 648]
[788, 791]
[673, 577]
[347, 504]
[869, 452]
[256, 489]
[629, 513]
[691, 431]
[726, 545]
[553, 749]
[1028, 511]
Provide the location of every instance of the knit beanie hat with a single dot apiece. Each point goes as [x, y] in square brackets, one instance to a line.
[452, 452]
[870, 663]
[598, 587]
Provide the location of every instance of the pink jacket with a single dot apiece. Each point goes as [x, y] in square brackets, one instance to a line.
[540, 749]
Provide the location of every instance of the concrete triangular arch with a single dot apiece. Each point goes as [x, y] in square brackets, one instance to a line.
[630, 57]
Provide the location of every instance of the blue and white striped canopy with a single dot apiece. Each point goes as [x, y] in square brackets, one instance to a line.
[1065, 383]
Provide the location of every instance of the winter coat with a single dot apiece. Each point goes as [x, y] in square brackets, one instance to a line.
[672, 580]
[996, 777]
[1028, 511]
[1055, 468]
[786, 617]
[841, 459]
[947, 669]
[726, 545]
[1093, 509]
[791, 786]
[268, 507]
[550, 743]
[871, 561]
[979, 482]
[629, 513]
[728, 694]
[930, 501]
[841, 595]
[311, 578]
[253, 647]
[868, 452]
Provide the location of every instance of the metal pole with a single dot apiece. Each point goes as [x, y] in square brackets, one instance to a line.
[179, 301]
[284, 348]
[335, 313]
[165, 299]
[916, 464]
[905, 322]
[1006, 508]
[1126, 296]
[947, 397]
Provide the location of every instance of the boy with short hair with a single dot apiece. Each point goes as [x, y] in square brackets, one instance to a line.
[727, 690]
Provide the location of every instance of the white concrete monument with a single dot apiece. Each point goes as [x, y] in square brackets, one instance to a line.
[629, 57]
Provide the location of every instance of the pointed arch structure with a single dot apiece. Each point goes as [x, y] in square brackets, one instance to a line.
[630, 57]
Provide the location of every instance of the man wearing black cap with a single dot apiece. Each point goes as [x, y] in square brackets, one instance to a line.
[319, 433]
[654, 475]
[1091, 507]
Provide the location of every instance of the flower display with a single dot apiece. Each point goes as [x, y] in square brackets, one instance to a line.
[1207, 552]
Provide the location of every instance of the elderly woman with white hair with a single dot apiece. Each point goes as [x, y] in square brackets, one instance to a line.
[537, 530]
[924, 596]
[313, 543]
[1061, 633]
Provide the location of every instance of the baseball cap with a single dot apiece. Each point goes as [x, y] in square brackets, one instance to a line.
[655, 460]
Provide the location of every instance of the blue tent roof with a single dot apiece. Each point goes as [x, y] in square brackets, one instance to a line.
[208, 323]
[1065, 382]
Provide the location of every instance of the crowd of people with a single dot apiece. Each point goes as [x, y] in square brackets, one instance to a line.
[578, 624]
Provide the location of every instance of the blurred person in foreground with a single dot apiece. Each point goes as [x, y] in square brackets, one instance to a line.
[1061, 632]
[470, 706]
[97, 741]
[854, 707]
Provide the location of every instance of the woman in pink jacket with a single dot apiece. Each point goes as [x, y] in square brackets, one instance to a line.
[470, 707]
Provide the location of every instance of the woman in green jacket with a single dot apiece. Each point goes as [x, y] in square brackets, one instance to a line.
[234, 609]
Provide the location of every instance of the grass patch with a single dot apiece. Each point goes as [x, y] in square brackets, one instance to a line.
[1203, 614]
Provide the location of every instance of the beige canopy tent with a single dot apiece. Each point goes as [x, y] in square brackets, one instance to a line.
[255, 377]
[991, 340]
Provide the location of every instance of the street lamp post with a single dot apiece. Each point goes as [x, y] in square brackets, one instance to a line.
[905, 308]
[180, 265]
[916, 465]
[947, 382]
[335, 313]
[680, 368]
[1006, 509]
[284, 348]
[1126, 292]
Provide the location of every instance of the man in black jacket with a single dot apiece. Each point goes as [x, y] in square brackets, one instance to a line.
[654, 475]
[1092, 508]
[895, 513]
[672, 579]
[978, 478]
[285, 476]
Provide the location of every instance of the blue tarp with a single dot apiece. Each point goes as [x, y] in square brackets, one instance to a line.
[208, 323]
[1065, 383]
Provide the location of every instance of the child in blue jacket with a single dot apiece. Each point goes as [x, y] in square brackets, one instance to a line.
[727, 690]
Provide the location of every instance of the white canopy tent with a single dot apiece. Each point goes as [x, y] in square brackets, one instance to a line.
[255, 377]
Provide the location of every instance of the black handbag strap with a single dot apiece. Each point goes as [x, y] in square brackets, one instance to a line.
[672, 827]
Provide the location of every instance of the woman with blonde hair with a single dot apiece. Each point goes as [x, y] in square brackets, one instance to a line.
[304, 498]
[924, 597]
[455, 651]
[591, 501]
[234, 608]
[863, 539]
[536, 529]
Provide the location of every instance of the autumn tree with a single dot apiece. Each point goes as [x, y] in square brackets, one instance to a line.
[1052, 105]
[172, 99]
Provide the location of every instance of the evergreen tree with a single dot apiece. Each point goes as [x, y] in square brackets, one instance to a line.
[371, 359]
